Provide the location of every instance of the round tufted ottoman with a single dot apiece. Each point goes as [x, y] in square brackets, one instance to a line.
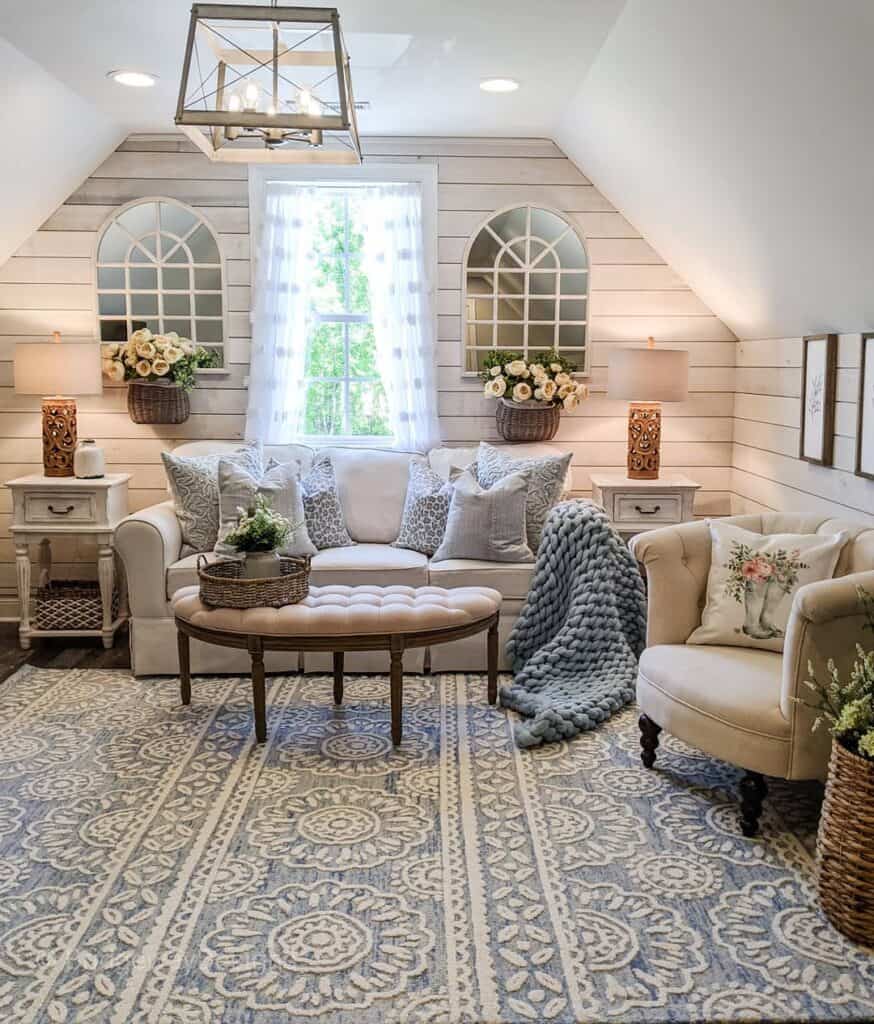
[339, 619]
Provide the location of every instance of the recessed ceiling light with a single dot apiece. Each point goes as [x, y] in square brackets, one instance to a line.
[499, 85]
[135, 79]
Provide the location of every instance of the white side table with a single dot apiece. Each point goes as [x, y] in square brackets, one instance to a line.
[46, 507]
[638, 505]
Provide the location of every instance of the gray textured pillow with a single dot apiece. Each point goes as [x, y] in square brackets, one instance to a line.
[326, 525]
[547, 477]
[488, 525]
[280, 485]
[426, 508]
[194, 486]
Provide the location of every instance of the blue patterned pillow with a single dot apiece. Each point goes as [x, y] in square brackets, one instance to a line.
[426, 509]
[321, 505]
[545, 488]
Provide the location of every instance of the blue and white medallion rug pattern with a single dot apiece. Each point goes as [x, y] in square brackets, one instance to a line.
[157, 866]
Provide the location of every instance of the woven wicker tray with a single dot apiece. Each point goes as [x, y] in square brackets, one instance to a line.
[222, 585]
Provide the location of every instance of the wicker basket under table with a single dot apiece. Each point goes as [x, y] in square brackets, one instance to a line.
[845, 845]
[71, 605]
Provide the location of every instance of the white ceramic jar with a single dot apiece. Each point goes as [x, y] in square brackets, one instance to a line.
[88, 460]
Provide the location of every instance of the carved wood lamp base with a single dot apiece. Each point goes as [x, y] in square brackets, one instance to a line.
[59, 435]
[644, 440]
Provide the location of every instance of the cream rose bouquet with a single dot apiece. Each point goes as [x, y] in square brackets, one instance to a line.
[546, 379]
[151, 357]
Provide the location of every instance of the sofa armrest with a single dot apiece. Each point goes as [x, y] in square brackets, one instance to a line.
[148, 541]
[825, 623]
[677, 561]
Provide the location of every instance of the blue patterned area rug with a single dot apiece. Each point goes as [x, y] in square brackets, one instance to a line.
[156, 866]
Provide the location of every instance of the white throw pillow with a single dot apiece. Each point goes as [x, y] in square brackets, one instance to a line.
[753, 579]
[280, 485]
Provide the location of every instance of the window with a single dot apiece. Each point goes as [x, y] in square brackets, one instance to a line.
[526, 287]
[344, 394]
[159, 266]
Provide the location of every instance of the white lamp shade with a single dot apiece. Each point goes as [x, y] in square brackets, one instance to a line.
[648, 374]
[58, 368]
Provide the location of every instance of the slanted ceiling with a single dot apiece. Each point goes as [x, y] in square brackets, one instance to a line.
[52, 139]
[738, 138]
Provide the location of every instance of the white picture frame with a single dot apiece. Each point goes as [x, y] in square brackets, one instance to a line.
[818, 377]
[865, 410]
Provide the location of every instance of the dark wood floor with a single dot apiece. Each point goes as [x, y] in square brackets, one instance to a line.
[62, 652]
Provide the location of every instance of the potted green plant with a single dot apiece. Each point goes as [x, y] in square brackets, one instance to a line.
[258, 535]
[530, 394]
[160, 369]
[845, 841]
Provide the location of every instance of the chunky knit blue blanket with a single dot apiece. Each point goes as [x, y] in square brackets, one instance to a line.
[575, 646]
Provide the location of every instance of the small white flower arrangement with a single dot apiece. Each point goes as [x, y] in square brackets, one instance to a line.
[547, 379]
[151, 357]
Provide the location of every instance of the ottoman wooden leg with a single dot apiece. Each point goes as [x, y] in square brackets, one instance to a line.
[338, 677]
[184, 665]
[397, 693]
[258, 695]
[492, 643]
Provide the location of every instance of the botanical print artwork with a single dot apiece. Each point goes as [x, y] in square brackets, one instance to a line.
[326, 877]
[865, 420]
[817, 410]
[760, 580]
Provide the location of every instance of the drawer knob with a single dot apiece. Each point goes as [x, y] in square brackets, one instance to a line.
[61, 511]
[647, 511]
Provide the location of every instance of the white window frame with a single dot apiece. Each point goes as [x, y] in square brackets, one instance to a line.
[423, 174]
[158, 262]
[525, 295]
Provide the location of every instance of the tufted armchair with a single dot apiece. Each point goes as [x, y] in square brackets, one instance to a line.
[737, 703]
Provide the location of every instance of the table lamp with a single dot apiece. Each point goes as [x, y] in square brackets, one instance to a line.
[57, 372]
[646, 377]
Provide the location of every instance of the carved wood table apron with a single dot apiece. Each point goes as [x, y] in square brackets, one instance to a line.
[340, 619]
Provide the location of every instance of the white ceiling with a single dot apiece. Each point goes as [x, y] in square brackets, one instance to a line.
[418, 62]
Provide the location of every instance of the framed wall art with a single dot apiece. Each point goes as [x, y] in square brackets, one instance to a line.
[865, 410]
[818, 376]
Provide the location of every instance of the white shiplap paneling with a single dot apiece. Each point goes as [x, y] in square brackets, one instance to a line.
[47, 286]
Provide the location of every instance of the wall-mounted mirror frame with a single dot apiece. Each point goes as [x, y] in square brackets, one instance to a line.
[525, 279]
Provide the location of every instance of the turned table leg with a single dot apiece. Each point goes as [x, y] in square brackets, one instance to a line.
[492, 647]
[397, 689]
[22, 568]
[256, 649]
[182, 643]
[338, 677]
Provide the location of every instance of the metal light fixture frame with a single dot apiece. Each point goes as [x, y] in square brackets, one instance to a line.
[306, 129]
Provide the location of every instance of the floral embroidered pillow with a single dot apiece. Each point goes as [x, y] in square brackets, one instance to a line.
[753, 580]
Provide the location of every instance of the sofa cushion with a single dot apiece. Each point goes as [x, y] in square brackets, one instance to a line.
[511, 579]
[184, 572]
[372, 486]
[362, 564]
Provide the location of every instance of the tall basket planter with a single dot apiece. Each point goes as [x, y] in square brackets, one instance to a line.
[845, 845]
[157, 402]
[527, 421]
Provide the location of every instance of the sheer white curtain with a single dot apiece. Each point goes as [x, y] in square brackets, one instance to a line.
[397, 270]
[284, 270]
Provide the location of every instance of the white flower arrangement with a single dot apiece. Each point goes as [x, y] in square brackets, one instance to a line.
[548, 380]
[150, 357]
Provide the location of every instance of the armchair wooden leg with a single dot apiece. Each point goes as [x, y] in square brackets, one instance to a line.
[753, 790]
[649, 740]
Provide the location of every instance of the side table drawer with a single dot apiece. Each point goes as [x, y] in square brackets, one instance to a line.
[657, 508]
[80, 507]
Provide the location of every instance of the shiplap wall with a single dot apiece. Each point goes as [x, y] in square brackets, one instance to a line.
[767, 472]
[47, 286]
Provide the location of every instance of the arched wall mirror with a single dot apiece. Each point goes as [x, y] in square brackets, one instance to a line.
[159, 266]
[525, 287]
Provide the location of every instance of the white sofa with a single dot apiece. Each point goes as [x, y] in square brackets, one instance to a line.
[372, 485]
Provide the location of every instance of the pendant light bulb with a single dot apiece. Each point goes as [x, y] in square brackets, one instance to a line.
[304, 101]
[234, 103]
[252, 93]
